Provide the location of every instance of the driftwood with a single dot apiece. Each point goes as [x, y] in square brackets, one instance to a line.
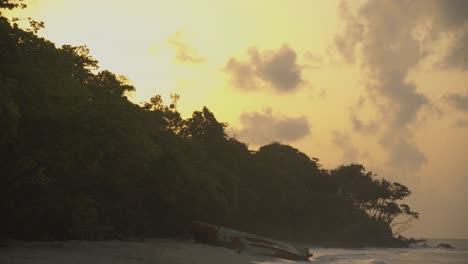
[242, 241]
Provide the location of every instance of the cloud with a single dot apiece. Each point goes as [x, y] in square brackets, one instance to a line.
[403, 154]
[261, 128]
[435, 19]
[451, 20]
[458, 101]
[359, 125]
[313, 60]
[184, 52]
[461, 123]
[451, 14]
[390, 38]
[276, 68]
[242, 74]
[383, 32]
[362, 126]
[389, 52]
[346, 42]
[457, 57]
[344, 143]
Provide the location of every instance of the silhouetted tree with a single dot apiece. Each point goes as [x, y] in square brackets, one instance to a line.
[11, 4]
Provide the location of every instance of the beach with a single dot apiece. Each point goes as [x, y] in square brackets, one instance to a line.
[168, 251]
[182, 251]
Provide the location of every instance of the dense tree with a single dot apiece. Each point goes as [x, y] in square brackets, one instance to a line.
[377, 198]
[11, 4]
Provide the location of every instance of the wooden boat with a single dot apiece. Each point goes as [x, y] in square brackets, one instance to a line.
[245, 242]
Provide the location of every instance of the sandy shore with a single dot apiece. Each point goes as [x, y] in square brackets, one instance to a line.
[167, 251]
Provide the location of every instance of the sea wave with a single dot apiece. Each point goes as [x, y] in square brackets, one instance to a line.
[347, 258]
[429, 254]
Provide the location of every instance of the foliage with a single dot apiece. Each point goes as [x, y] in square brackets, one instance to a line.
[11, 4]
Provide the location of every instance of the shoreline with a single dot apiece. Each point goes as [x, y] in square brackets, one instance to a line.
[182, 251]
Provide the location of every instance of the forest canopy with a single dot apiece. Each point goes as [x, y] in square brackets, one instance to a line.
[78, 160]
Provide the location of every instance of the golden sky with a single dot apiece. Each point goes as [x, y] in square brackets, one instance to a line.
[382, 83]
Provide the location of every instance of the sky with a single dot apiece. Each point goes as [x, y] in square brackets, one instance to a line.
[381, 83]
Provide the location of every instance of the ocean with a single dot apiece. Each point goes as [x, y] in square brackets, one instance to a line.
[414, 255]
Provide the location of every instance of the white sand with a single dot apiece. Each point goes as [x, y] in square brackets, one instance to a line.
[166, 251]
